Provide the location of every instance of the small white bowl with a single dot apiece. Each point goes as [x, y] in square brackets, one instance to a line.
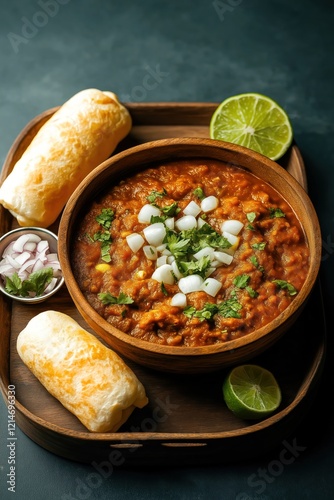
[45, 234]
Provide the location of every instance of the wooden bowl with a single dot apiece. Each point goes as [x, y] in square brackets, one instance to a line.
[189, 359]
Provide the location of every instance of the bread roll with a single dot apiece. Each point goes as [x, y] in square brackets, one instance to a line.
[89, 379]
[78, 137]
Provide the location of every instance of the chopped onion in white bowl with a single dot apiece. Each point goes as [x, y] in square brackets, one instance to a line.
[29, 269]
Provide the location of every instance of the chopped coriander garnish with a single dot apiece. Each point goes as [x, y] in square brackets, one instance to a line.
[255, 262]
[206, 313]
[284, 285]
[251, 216]
[105, 218]
[241, 281]
[35, 284]
[199, 267]
[107, 298]
[228, 309]
[199, 193]
[171, 210]
[104, 237]
[259, 246]
[276, 213]
[177, 245]
[231, 307]
[253, 293]
[156, 194]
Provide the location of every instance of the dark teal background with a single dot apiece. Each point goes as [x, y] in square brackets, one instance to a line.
[197, 51]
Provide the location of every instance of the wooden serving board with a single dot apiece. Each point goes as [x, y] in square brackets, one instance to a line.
[186, 420]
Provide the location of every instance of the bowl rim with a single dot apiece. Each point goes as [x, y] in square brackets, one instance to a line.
[189, 144]
[11, 236]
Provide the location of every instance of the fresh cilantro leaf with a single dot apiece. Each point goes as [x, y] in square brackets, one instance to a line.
[259, 246]
[255, 262]
[276, 213]
[158, 218]
[251, 216]
[35, 284]
[199, 267]
[253, 293]
[39, 280]
[13, 285]
[105, 218]
[230, 308]
[284, 285]
[107, 298]
[199, 193]
[241, 281]
[151, 198]
[207, 313]
[177, 245]
[189, 311]
[104, 237]
[171, 210]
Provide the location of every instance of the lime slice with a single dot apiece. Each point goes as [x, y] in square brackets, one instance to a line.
[251, 392]
[254, 121]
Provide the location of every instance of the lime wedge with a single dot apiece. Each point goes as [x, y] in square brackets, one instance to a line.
[254, 121]
[251, 392]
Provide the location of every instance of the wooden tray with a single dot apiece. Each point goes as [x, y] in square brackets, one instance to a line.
[186, 420]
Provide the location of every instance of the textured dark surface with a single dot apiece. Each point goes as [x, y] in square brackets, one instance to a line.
[182, 51]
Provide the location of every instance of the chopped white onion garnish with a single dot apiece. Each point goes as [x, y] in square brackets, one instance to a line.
[223, 257]
[161, 260]
[155, 233]
[170, 222]
[135, 241]
[192, 209]
[150, 252]
[232, 226]
[177, 273]
[179, 300]
[186, 222]
[200, 222]
[204, 252]
[27, 254]
[209, 203]
[211, 286]
[191, 283]
[146, 212]
[164, 274]
[231, 238]
[167, 270]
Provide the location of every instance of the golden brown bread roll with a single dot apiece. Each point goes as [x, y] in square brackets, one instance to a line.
[78, 137]
[89, 379]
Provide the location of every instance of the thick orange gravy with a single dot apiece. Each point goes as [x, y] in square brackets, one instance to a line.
[269, 266]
